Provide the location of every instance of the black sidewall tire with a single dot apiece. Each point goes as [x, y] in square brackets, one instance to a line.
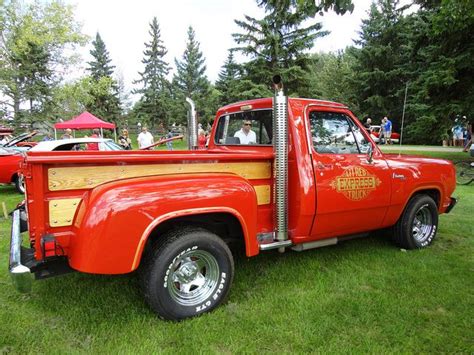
[19, 184]
[157, 294]
[404, 233]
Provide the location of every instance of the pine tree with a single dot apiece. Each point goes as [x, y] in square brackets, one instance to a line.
[190, 80]
[100, 66]
[155, 100]
[276, 44]
[228, 80]
[106, 102]
[380, 78]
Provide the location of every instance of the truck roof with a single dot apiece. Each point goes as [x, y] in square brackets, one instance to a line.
[267, 103]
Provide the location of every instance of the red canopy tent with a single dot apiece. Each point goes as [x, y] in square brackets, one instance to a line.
[85, 120]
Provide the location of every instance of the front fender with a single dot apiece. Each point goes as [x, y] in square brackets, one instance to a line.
[115, 219]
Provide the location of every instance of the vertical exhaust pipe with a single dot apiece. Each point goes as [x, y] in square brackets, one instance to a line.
[192, 125]
[280, 148]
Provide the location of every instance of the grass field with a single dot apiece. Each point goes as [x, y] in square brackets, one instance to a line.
[363, 295]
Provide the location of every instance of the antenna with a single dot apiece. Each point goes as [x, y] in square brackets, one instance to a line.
[403, 119]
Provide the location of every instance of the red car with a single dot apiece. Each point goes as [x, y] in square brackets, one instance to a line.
[9, 166]
[375, 132]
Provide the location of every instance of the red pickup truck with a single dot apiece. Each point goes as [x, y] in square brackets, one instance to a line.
[278, 173]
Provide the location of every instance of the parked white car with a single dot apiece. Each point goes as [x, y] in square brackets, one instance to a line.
[76, 144]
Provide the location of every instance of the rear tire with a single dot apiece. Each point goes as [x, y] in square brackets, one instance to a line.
[187, 272]
[418, 224]
[19, 183]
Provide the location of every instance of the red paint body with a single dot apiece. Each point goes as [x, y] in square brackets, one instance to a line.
[9, 167]
[115, 219]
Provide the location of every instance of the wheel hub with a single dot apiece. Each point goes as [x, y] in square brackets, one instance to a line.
[422, 224]
[193, 277]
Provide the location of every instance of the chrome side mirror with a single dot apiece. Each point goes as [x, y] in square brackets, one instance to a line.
[370, 153]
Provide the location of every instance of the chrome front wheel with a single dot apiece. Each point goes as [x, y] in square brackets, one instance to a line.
[422, 226]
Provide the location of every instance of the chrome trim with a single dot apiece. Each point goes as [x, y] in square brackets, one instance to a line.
[451, 205]
[280, 148]
[192, 126]
[20, 274]
[276, 245]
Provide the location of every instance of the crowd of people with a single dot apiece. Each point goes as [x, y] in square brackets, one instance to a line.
[462, 132]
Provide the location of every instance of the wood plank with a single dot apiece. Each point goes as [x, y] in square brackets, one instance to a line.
[87, 177]
[62, 211]
[263, 194]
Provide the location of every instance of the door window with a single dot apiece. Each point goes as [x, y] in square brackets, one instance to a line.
[336, 133]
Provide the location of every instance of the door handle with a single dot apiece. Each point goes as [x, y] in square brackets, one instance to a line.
[322, 166]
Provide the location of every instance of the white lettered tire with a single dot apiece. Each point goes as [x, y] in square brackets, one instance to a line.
[187, 272]
[418, 224]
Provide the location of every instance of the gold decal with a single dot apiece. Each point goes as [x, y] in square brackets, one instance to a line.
[355, 183]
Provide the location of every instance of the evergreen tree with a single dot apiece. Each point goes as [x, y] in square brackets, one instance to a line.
[379, 78]
[190, 81]
[228, 80]
[443, 50]
[155, 100]
[100, 66]
[277, 43]
[106, 102]
[34, 79]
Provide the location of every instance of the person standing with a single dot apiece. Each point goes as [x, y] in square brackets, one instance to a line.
[202, 139]
[169, 144]
[145, 138]
[48, 137]
[469, 128]
[67, 134]
[382, 132]
[124, 140]
[94, 145]
[388, 130]
[368, 125]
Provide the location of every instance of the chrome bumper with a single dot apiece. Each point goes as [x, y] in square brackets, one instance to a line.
[21, 275]
[451, 205]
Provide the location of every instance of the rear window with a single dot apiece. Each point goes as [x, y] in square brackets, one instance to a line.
[245, 128]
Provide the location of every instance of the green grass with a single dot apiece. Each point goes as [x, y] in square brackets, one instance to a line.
[359, 296]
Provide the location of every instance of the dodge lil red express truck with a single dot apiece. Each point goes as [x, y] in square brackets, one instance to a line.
[278, 173]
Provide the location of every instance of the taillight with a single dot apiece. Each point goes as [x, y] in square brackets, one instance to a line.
[48, 246]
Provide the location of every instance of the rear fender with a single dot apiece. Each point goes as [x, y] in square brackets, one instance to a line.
[115, 220]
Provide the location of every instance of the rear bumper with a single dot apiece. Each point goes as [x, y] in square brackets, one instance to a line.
[451, 205]
[21, 275]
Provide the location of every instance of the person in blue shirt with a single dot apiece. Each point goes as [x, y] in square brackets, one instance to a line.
[388, 130]
[48, 137]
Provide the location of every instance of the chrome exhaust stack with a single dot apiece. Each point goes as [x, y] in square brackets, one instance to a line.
[280, 171]
[192, 125]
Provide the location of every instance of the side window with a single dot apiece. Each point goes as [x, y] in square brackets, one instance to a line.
[249, 128]
[335, 133]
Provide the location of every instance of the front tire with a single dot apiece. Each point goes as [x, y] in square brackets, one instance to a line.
[418, 224]
[188, 272]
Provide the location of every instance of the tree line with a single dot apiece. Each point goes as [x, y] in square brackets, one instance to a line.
[424, 46]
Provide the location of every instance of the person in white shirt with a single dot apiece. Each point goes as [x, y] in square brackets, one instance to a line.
[145, 139]
[245, 134]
